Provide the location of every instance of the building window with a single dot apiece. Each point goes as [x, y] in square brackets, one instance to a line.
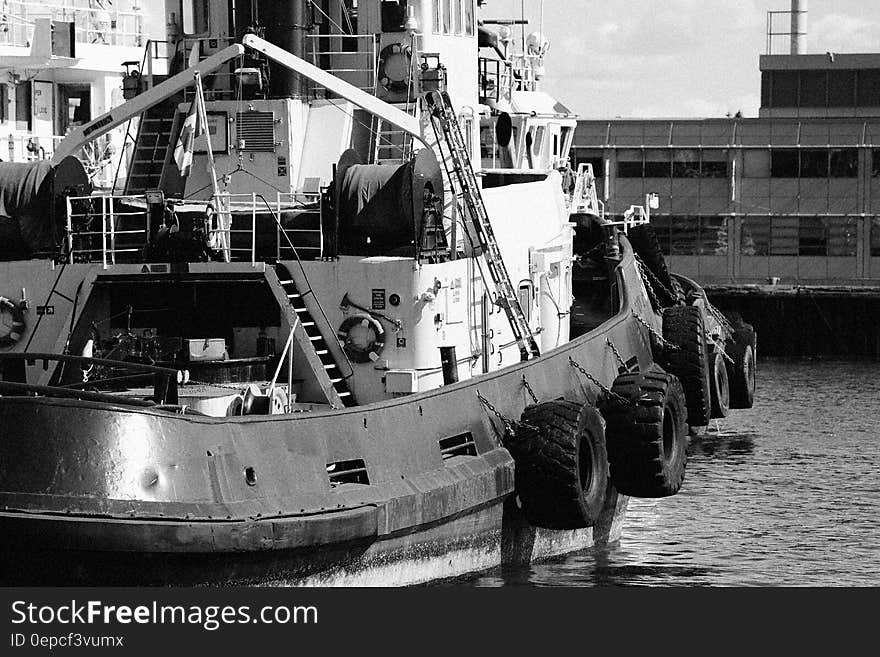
[784, 236]
[756, 163]
[875, 237]
[469, 17]
[755, 240]
[714, 238]
[714, 164]
[784, 91]
[842, 89]
[658, 164]
[814, 163]
[662, 225]
[812, 237]
[685, 235]
[875, 169]
[685, 164]
[845, 163]
[868, 88]
[814, 89]
[784, 163]
[630, 164]
[588, 156]
[843, 235]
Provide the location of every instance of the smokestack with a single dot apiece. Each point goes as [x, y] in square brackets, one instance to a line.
[798, 27]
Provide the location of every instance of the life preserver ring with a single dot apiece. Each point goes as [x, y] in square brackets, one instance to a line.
[395, 68]
[16, 327]
[362, 338]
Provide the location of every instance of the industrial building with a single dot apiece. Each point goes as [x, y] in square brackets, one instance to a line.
[790, 197]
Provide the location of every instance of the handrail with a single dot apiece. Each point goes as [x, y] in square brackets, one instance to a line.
[306, 278]
[164, 383]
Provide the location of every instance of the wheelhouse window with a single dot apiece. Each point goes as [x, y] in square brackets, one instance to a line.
[457, 17]
[469, 17]
[195, 16]
[435, 16]
[393, 15]
[447, 16]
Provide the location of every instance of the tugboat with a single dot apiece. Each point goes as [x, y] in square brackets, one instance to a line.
[319, 339]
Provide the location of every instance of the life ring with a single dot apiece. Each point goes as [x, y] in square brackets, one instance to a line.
[395, 66]
[561, 464]
[362, 338]
[646, 434]
[17, 327]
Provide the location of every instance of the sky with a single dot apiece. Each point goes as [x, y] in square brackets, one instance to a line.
[676, 58]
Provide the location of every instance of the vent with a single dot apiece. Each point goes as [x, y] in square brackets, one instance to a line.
[461, 445]
[347, 472]
[255, 131]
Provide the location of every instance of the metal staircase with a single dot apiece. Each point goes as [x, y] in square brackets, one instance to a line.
[314, 335]
[151, 149]
[457, 160]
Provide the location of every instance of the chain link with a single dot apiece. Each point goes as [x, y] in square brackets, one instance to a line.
[238, 388]
[616, 353]
[666, 344]
[529, 389]
[723, 353]
[644, 269]
[655, 302]
[605, 389]
[509, 425]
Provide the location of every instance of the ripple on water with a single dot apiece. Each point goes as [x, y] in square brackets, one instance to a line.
[786, 493]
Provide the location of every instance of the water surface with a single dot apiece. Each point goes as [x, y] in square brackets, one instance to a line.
[784, 494]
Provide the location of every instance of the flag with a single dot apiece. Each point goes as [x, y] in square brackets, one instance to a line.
[192, 127]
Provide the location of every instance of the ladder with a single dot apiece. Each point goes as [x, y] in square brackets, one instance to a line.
[467, 192]
[392, 145]
[150, 150]
[328, 372]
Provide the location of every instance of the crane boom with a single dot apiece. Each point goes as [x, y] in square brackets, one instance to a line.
[142, 102]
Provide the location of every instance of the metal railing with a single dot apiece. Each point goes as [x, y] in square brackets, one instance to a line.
[584, 199]
[103, 25]
[350, 57]
[89, 243]
[247, 228]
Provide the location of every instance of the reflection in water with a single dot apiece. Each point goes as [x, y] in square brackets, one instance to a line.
[786, 493]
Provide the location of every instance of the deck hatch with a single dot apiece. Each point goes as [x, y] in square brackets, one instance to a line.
[461, 445]
[348, 472]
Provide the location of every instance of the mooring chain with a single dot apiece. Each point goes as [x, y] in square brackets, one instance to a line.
[529, 389]
[509, 425]
[605, 389]
[193, 382]
[649, 288]
[719, 316]
[666, 344]
[643, 268]
[616, 353]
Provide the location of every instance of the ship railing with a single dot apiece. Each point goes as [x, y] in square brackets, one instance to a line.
[121, 233]
[520, 75]
[111, 229]
[584, 199]
[30, 147]
[216, 85]
[244, 232]
[164, 380]
[93, 25]
[350, 57]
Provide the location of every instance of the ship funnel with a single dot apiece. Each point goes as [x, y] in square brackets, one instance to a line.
[798, 27]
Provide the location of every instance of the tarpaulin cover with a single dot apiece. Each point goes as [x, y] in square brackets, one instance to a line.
[375, 210]
[25, 213]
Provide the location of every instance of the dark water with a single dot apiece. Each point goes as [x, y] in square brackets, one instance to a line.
[787, 494]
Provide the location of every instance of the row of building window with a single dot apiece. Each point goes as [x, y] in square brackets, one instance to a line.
[713, 163]
[760, 236]
[454, 17]
[817, 89]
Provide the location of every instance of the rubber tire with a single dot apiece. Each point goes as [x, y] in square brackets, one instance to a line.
[645, 244]
[742, 373]
[720, 386]
[562, 467]
[685, 327]
[647, 439]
